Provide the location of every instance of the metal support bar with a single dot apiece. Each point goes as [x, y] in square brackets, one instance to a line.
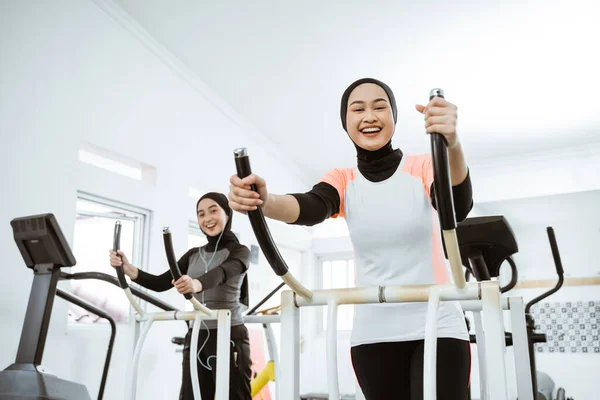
[223, 354]
[37, 317]
[521, 349]
[430, 347]
[289, 382]
[331, 349]
[136, 359]
[495, 342]
[194, 357]
[481, 355]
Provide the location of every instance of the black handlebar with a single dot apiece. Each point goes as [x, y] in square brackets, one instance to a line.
[117, 247]
[102, 314]
[265, 299]
[114, 281]
[441, 172]
[559, 271]
[555, 253]
[257, 219]
[514, 276]
[175, 272]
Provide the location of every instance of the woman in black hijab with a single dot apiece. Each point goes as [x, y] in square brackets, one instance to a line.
[216, 275]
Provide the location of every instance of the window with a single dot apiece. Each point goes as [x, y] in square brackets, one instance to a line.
[338, 274]
[94, 229]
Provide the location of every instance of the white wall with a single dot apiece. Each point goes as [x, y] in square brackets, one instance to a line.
[564, 170]
[70, 75]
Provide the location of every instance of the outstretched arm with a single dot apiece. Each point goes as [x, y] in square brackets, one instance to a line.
[308, 209]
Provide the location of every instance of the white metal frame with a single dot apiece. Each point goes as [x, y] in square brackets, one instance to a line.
[521, 348]
[200, 314]
[481, 297]
[516, 308]
[223, 348]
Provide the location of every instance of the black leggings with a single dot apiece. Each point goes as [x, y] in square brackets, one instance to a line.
[394, 370]
[240, 365]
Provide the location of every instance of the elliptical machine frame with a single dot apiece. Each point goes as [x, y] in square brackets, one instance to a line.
[476, 249]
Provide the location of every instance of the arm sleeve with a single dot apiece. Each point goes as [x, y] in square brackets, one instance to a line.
[463, 198]
[237, 263]
[161, 283]
[322, 202]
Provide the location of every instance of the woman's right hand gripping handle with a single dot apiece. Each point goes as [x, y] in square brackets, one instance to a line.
[118, 259]
[241, 196]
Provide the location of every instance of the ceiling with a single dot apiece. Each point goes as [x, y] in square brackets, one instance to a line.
[523, 73]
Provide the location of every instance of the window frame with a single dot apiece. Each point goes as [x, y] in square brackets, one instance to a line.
[141, 249]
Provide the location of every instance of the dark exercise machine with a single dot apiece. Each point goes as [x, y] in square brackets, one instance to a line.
[44, 250]
[485, 243]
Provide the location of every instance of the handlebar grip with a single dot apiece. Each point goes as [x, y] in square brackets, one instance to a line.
[242, 164]
[555, 253]
[175, 272]
[441, 173]
[117, 247]
[257, 219]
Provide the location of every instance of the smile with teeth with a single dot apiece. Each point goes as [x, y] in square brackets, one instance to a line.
[211, 225]
[371, 129]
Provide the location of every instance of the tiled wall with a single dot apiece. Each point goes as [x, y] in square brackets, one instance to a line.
[570, 327]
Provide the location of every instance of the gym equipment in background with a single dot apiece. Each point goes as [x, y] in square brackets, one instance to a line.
[485, 243]
[45, 250]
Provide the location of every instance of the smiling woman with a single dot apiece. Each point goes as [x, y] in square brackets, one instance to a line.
[389, 204]
[215, 274]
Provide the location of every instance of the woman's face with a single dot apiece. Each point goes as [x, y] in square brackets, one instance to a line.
[211, 217]
[369, 117]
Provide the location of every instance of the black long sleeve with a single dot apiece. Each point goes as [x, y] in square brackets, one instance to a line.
[320, 203]
[236, 264]
[162, 282]
[463, 198]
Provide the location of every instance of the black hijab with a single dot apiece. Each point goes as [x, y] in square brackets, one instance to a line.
[380, 164]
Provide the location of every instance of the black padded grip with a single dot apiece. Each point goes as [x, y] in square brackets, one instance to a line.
[117, 247]
[555, 253]
[257, 220]
[175, 272]
[441, 176]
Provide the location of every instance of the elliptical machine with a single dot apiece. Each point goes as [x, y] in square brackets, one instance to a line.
[44, 250]
[485, 243]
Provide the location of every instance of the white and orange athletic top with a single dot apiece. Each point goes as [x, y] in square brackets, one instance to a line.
[397, 241]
